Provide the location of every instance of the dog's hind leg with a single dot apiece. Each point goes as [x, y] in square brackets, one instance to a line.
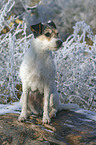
[54, 103]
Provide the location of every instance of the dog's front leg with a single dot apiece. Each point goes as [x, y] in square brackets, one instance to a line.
[23, 115]
[46, 118]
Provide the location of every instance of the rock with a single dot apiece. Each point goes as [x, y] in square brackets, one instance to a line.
[68, 128]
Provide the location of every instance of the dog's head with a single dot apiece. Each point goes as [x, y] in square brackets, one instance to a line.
[46, 35]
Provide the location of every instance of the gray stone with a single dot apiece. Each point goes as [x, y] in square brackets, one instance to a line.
[68, 128]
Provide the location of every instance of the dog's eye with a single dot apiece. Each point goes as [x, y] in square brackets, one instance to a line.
[48, 34]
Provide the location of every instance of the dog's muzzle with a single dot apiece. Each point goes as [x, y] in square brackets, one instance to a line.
[59, 43]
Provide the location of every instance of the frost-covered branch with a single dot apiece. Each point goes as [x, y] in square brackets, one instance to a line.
[11, 52]
[76, 68]
[4, 11]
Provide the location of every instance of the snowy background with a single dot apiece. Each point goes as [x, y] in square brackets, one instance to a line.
[75, 62]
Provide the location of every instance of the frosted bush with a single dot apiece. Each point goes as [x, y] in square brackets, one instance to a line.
[4, 13]
[76, 68]
[76, 63]
[12, 48]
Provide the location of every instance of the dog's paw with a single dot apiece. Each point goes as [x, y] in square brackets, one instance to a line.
[22, 118]
[52, 114]
[46, 120]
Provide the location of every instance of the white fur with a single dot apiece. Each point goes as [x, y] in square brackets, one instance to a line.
[37, 71]
[51, 45]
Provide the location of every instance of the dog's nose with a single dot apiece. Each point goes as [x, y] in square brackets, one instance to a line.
[59, 43]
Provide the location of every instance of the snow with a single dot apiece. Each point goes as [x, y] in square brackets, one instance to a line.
[10, 108]
[89, 114]
[16, 108]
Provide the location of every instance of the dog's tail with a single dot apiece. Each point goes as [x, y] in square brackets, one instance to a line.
[67, 106]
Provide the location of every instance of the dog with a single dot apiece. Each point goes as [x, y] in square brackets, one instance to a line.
[37, 73]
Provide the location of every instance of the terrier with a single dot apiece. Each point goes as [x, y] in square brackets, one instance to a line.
[37, 73]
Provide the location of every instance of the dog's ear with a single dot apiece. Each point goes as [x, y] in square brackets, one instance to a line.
[37, 29]
[52, 24]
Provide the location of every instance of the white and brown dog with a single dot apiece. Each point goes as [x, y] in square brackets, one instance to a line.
[37, 74]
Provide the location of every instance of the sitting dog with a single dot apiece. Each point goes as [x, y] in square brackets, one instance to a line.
[37, 74]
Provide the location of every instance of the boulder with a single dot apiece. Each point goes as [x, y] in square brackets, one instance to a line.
[68, 128]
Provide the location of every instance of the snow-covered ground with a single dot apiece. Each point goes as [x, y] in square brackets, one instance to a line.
[10, 108]
[16, 108]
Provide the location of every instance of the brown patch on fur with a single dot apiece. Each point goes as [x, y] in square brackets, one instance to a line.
[53, 34]
[47, 30]
[35, 101]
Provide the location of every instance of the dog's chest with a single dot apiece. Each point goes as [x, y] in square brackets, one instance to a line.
[44, 65]
[37, 68]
